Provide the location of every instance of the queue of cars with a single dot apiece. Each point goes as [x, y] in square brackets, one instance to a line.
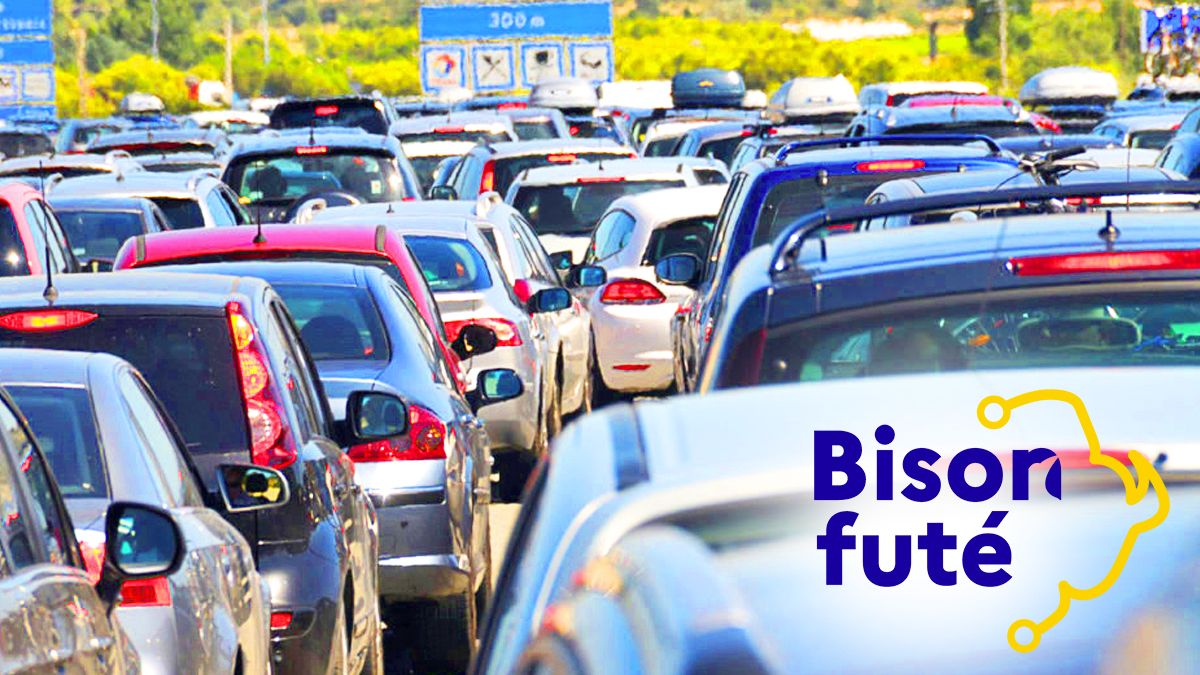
[273, 416]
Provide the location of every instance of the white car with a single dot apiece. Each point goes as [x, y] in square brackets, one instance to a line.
[632, 313]
[564, 203]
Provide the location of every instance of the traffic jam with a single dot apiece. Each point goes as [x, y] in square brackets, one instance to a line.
[270, 377]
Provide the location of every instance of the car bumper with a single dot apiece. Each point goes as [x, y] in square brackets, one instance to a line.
[633, 346]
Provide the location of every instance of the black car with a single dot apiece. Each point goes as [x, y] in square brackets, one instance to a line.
[227, 362]
[24, 141]
[1182, 155]
[371, 114]
[97, 226]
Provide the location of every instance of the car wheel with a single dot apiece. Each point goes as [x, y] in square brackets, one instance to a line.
[374, 662]
[554, 416]
[514, 469]
[446, 633]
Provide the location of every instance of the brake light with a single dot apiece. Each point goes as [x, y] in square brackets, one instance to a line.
[325, 110]
[631, 292]
[600, 179]
[574, 130]
[561, 158]
[746, 133]
[1082, 263]
[890, 165]
[522, 290]
[46, 320]
[428, 434]
[281, 620]
[506, 331]
[448, 130]
[270, 443]
[631, 367]
[488, 182]
[311, 150]
[153, 592]
[512, 106]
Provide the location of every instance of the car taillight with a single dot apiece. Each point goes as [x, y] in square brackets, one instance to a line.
[325, 110]
[427, 434]
[600, 179]
[631, 292]
[305, 150]
[448, 130]
[561, 158]
[574, 130]
[154, 592]
[281, 620]
[1116, 261]
[506, 331]
[488, 182]
[46, 320]
[270, 443]
[516, 105]
[890, 165]
[522, 290]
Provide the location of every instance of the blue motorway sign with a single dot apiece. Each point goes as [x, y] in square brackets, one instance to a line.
[509, 21]
[26, 51]
[22, 18]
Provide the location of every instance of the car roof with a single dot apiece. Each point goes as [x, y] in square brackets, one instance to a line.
[268, 142]
[896, 118]
[658, 208]
[182, 135]
[556, 145]
[642, 167]
[1156, 122]
[415, 149]
[199, 242]
[125, 288]
[835, 155]
[457, 227]
[375, 213]
[99, 203]
[283, 271]
[988, 179]
[51, 365]
[426, 123]
[106, 162]
[140, 183]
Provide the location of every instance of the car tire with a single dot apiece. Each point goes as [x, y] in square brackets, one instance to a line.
[446, 632]
[514, 469]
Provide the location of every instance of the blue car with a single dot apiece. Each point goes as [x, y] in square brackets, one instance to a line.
[767, 195]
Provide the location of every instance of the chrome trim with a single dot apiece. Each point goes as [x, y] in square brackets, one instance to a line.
[407, 496]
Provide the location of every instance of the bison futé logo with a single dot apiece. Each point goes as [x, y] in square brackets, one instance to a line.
[989, 548]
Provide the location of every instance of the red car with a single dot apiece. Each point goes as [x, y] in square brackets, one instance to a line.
[373, 245]
[25, 221]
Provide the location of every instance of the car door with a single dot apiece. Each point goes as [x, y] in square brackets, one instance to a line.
[51, 619]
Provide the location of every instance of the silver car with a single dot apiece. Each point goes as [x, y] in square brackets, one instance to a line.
[108, 439]
[188, 200]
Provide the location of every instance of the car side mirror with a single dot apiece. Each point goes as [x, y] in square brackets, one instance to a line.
[495, 386]
[474, 340]
[562, 260]
[375, 416]
[681, 269]
[587, 276]
[444, 192]
[245, 487]
[140, 542]
[549, 300]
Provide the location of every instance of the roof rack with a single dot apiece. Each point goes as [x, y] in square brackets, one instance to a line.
[893, 139]
[790, 242]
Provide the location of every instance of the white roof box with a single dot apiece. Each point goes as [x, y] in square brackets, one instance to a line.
[142, 103]
[803, 97]
[564, 93]
[636, 94]
[1070, 83]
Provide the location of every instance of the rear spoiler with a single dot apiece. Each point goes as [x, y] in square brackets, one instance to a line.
[790, 242]
[895, 139]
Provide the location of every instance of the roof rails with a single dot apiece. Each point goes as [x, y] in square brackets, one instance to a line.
[892, 139]
[790, 242]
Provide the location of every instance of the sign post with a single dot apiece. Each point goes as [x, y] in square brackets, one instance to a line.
[26, 59]
[506, 46]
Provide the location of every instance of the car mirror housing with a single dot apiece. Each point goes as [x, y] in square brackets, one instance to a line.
[443, 192]
[245, 487]
[474, 340]
[495, 386]
[375, 416]
[588, 276]
[140, 542]
[681, 269]
[549, 300]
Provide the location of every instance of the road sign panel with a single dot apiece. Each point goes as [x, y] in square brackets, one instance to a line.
[9, 85]
[27, 51]
[519, 20]
[37, 85]
[493, 67]
[592, 60]
[442, 66]
[540, 61]
[22, 18]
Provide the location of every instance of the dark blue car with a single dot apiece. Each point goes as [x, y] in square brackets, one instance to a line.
[768, 195]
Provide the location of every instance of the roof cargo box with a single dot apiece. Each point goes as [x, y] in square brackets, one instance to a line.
[708, 88]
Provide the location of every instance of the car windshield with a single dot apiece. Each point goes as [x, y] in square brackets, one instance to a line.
[1034, 331]
[336, 322]
[1153, 139]
[188, 361]
[450, 265]
[62, 420]
[534, 129]
[789, 200]
[574, 208]
[508, 169]
[458, 134]
[181, 213]
[86, 134]
[283, 178]
[13, 262]
[98, 234]
[685, 236]
[20, 145]
[366, 115]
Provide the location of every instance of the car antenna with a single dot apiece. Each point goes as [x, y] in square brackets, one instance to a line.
[50, 293]
[1109, 233]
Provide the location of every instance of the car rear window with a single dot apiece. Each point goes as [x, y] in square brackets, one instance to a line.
[362, 114]
[12, 251]
[188, 361]
[792, 199]
[21, 145]
[574, 208]
[508, 169]
[63, 422]
[337, 322]
[157, 148]
[450, 265]
[86, 134]
[721, 149]
[459, 134]
[282, 178]
[98, 234]
[426, 169]
[1027, 331]
[1154, 139]
[535, 130]
[684, 236]
[182, 214]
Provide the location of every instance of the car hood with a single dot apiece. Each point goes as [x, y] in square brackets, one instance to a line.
[341, 378]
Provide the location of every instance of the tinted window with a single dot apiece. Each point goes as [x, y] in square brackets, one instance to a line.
[611, 236]
[281, 179]
[12, 251]
[992, 129]
[685, 236]
[367, 115]
[507, 170]
[86, 134]
[532, 131]
[154, 149]
[183, 214]
[450, 264]
[575, 208]
[20, 145]
[63, 422]
[461, 135]
[187, 360]
[98, 234]
[722, 148]
[336, 322]
[1155, 139]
